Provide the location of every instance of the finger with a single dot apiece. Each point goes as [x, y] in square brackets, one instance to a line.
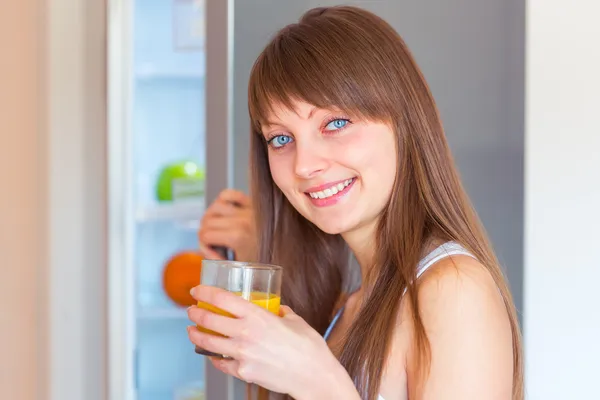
[224, 325]
[235, 196]
[213, 343]
[223, 223]
[208, 253]
[220, 208]
[286, 311]
[230, 367]
[224, 238]
[225, 300]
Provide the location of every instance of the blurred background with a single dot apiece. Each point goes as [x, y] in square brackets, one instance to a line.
[121, 120]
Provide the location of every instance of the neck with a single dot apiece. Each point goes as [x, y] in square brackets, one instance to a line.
[362, 243]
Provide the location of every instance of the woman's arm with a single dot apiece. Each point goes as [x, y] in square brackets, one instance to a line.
[334, 383]
[469, 334]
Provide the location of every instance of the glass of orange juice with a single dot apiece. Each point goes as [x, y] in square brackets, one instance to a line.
[255, 282]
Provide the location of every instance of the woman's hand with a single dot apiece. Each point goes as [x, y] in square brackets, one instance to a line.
[281, 353]
[229, 222]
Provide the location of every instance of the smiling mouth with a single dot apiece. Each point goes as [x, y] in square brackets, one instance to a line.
[332, 190]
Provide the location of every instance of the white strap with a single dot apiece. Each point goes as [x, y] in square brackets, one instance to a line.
[445, 250]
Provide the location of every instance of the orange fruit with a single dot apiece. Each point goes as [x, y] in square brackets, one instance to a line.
[182, 273]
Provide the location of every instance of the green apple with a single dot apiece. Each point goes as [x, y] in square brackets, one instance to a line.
[180, 180]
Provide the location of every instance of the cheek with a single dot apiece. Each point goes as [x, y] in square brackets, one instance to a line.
[373, 151]
[386, 164]
[280, 171]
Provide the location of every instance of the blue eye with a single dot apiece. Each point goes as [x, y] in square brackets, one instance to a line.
[336, 124]
[280, 141]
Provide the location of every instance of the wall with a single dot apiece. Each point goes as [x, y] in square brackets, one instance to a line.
[52, 209]
[22, 215]
[562, 262]
[75, 82]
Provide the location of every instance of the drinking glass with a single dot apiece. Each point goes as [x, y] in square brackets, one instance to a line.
[258, 283]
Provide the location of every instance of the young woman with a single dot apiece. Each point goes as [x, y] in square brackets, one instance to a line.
[348, 151]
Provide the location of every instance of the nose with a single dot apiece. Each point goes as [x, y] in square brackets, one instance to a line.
[311, 159]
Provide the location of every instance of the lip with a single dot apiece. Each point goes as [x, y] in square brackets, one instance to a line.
[325, 186]
[331, 200]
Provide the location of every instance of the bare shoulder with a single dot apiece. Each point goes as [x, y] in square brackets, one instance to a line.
[458, 280]
[468, 330]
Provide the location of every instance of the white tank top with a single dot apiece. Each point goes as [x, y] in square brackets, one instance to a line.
[445, 250]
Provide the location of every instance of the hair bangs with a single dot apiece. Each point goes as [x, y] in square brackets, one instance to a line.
[312, 64]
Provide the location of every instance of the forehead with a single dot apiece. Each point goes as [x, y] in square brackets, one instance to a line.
[296, 109]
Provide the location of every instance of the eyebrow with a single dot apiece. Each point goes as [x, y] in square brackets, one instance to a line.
[269, 124]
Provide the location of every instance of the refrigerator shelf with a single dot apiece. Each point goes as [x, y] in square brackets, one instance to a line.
[162, 313]
[150, 75]
[189, 211]
[170, 66]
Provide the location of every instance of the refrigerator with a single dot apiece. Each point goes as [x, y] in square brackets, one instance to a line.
[177, 90]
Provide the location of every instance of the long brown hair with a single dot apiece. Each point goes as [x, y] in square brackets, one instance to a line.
[348, 58]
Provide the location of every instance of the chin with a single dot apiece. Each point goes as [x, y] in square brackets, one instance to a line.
[333, 221]
[332, 228]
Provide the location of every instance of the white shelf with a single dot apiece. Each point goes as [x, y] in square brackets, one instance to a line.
[181, 211]
[154, 74]
[162, 313]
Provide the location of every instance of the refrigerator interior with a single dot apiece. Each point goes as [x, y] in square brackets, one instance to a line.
[168, 123]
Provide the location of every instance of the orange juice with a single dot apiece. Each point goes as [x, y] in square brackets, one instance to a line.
[270, 302]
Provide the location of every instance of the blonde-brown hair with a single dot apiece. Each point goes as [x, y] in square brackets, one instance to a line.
[350, 59]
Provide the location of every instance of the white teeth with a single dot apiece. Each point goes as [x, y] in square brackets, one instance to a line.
[323, 194]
